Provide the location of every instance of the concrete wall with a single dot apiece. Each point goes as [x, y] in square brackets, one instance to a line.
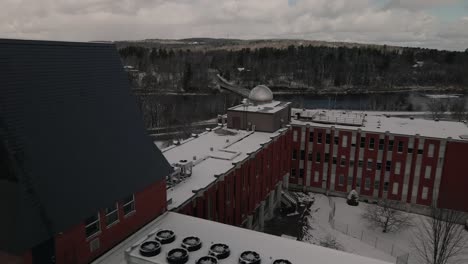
[266, 122]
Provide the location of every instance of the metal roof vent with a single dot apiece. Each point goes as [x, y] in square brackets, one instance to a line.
[177, 256]
[207, 260]
[150, 248]
[165, 236]
[282, 261]
[191, 243]
[249, 257]
[220, 251]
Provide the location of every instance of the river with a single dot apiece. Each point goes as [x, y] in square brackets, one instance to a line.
[169, 110]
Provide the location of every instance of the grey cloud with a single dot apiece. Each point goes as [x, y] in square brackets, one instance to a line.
[401, 23]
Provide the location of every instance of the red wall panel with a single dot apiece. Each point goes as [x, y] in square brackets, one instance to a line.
[72, 246]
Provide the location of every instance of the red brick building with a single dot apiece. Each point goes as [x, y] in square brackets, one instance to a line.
[413, 161]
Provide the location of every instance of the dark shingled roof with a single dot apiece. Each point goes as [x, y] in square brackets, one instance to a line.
[72, 140]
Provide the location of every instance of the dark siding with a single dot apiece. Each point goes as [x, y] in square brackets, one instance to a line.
[74, 131]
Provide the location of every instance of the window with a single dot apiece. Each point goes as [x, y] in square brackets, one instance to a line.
[363, 142]
[400, 146]
[316, 176]
[351, 163]
[388, 165]
[430, 153]
[350, 180]
[390, 145]
[327, 138]
[317, 157]
[336, 140]
[370, 164]
[311, 137]
[377, 184]
[343, 161]
[410, 150]
[301, 173]
[309, 156]
[367, 184]
[128, 205]
[385, 186]
[420, 151]
[360, 163]
[295, 135]
[371, 143]
[425, 192]
[427, 172]
[381, 144]
[327, 157]
[334, 160]
[341, 180]
[294, 154]
[112, 215]
[398, 168]
[379, 165]
[92, 226]
[302, 154]
[344, 142]
[293, 172]
[319, 138]
[395, 188]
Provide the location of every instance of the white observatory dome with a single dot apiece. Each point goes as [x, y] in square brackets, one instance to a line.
[261, 94]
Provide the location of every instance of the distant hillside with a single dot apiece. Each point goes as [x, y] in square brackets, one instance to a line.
[190, 65]
[207, 44]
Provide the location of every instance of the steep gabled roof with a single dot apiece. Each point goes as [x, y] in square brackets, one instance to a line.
[71, 134]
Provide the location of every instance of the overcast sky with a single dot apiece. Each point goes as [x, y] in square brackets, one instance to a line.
[441, 24]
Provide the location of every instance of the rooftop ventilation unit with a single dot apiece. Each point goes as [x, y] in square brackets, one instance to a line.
[220, 251]
[150, 248]
[177, 256]
[165, 236]
[185, 168]
[282, 261]
[249, 257]
[207, 260]
[191, 243]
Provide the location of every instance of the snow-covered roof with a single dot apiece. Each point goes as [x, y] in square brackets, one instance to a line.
[270, 108]
[380, 122]
[269, 248]
[213, 153]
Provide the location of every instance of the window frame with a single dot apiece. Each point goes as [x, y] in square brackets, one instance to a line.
[110, 213]
[401, 146]
[128, 203]
[86, 225]
[371, 143]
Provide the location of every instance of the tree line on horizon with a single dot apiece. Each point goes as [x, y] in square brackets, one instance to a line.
[311, 68]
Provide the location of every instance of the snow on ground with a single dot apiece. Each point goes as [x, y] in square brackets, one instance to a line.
[348, 220]
[321, 231]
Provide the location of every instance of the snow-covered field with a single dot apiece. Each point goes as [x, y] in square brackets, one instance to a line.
[321, 231]
[348, 220]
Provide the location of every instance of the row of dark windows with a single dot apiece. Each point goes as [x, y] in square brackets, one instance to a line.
[93, 223]
[371, 143]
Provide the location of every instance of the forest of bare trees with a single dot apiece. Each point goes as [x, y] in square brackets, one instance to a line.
[301, 67]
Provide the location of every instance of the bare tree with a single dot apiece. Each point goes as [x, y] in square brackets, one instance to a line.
[440, 239]
[437, 107]
[458, 109]
[386, 217]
